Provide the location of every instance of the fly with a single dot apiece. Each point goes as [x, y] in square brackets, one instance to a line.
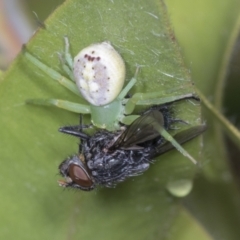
[108, 158]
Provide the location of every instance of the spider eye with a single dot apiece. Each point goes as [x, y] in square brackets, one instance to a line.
[79, 176]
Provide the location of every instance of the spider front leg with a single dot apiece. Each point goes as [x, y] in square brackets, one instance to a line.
[170, 139]
[155, 99]
[67, 60]
[69, 106]
[53, 74]
[149, 99]
[67, 54]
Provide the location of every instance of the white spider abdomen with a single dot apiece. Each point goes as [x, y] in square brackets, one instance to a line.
[99, 72]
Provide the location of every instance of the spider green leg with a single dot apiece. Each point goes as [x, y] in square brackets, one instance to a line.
[169, 138]
[152, 98]
[70, 106]
[53, 74]
[67, 60]
[127, 120]
[65, 67]
[67, 54]
[128, 87]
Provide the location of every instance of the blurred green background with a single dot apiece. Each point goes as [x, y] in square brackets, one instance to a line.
[207, 32]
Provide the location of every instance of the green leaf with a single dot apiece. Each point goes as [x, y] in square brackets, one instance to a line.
[31, 147]
[187, 227]
[206, 32]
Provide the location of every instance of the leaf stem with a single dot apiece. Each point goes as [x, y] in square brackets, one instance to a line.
[228, 127]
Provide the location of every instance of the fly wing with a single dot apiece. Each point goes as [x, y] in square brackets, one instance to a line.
[141, 130]
[182, 137]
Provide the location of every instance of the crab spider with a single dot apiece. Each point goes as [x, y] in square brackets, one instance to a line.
[97, 74]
